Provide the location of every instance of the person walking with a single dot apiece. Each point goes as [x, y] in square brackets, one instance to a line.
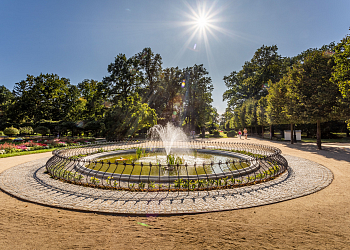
[245, 131]
[239, 134]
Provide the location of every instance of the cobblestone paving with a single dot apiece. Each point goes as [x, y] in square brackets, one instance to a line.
[29, 182]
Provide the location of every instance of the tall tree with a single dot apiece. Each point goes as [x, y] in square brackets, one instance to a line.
[94, 95]
[341, 70]
[6, 98]
[43, 97]
[251, 81]
[124, 79]
[198, 96]
[317, 96]
[150, 69]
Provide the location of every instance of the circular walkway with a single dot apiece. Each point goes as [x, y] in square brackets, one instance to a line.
[29, 182]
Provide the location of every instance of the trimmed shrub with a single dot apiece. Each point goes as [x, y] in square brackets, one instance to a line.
[42, 130]
[216, 133]
[26, 130]
[231, 133]
[11, 131]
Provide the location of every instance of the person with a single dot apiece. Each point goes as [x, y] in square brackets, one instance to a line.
[245, 131]
[239, 134]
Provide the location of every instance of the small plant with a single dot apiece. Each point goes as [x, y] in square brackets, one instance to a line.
[151, 184]
[178, 183]
[192, 185]
[109, 180]
[225, 180]
[199, 183]
[139, 152]
[94, 180]
[218, 182]
[170, 159]
[142, 185]
[78, 177]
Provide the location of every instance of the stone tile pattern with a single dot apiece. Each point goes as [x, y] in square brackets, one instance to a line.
[29, 182]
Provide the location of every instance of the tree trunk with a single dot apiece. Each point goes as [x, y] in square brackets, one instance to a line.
[262, 131]
[272, 132]
[318, 134]
[347, 133]
[291, 134]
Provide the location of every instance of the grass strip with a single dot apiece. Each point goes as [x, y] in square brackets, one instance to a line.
[28, 152]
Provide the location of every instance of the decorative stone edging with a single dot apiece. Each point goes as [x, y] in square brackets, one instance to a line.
[29, 182]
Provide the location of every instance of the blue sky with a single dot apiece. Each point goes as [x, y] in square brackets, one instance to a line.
[78, 39]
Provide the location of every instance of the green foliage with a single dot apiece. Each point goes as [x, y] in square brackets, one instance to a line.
[216, 133]
[172, 160]
[151, 185]
[94, 180]
[26, 130]
[129, 116]
[231, 133]
[11, 131]
[341, 70]
[42, 130]
[250, 82]
[139, 152]
[47, 97]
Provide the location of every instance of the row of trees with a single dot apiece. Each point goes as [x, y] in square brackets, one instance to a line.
[136, 94]
[312, 87]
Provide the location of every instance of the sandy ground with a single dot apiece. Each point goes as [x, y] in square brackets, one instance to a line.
[317, 221]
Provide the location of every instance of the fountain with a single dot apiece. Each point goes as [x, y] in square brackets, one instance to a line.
[168, 134]
[168, 161]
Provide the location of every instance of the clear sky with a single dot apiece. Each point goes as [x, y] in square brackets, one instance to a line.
[77, 39]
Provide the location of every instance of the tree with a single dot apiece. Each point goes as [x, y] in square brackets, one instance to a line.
[127, 117]
[197, 98]
[318, 98]
[150, 70]
[306, 94]
[282, 104]
[6, 99]
[94, 126]
[262, 116]
[93, 96]
[42, 130]
[341, 69]
[124, 79]
[251, 81]
[45, 97]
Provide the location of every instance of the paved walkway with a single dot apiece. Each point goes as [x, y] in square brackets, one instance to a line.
[29, 182]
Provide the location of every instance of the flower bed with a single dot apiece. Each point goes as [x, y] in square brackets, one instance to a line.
[31, 145]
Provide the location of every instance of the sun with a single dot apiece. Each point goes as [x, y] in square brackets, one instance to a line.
[202, 22]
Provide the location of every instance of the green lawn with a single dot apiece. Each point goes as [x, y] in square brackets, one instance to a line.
[28, 152]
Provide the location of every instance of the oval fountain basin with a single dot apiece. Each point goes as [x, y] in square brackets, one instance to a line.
[155, 164]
